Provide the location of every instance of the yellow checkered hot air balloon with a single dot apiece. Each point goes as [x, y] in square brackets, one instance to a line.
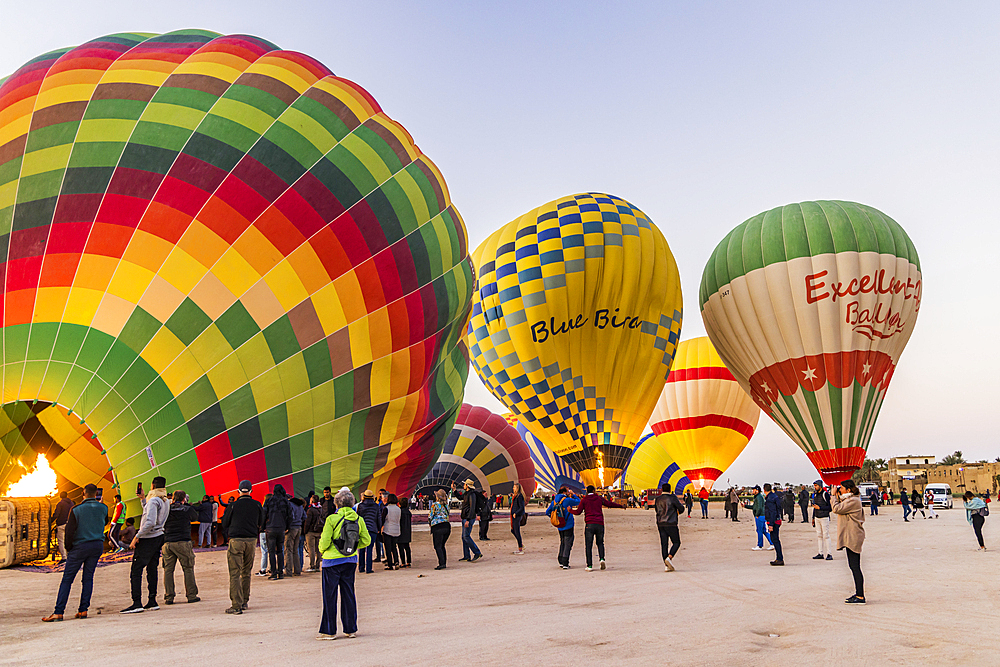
[574, 326]
[704, 419]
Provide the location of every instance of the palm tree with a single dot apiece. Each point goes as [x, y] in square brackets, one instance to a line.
[953, 459]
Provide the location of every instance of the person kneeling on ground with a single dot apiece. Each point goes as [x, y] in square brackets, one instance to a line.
[592, 507]
[344, 534]
[667, 508]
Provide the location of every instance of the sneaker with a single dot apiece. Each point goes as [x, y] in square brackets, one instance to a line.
[603, 566]
[829, 556]
[234, 611]
[441, 567]
[132, 609]
[818, 557]
[273, 577]
[854, 599]
[151, 606]
[475, 558]
[262, 573]
[770, 547]
[777, 562]
[564, 567]
[669, 564]
[246, 605]
[589, 568]
[194, 599]
[322, 637]
[757, 549]
[351, 635]
[460, 560]
[166, 601]
[519, 552]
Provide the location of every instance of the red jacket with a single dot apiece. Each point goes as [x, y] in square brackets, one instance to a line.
[591, 506]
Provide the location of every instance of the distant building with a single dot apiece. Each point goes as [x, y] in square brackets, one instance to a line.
[975, 477]
[906, 473]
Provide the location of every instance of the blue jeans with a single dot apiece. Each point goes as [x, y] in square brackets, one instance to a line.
[468, 546]
[302, 549]
[365, 559]
[704, 507]
[84, 554]
[205, 535]
[906, 512]
[761, 531]
[339, 579]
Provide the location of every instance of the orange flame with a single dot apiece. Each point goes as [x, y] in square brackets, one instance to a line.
[35, 484]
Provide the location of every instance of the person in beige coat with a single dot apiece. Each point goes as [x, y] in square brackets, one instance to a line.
[851, 533]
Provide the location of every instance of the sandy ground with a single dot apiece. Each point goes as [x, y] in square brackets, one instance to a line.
[932, 600]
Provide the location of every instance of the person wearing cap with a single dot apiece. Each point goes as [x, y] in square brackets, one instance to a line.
[84, 539]
[757, 508]
[243, 522]
[821, 520]
[371, 512]
[147, 544]
[470, 508]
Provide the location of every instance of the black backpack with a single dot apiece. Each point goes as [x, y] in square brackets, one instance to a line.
[350, 535]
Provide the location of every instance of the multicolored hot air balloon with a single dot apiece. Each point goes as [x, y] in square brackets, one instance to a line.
[229, 263]
[810, 306]
[651, 467]
[703, 419]
[551, 471]
[484, 447]
[574, 326]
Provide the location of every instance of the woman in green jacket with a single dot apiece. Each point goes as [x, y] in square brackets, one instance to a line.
[339, 569]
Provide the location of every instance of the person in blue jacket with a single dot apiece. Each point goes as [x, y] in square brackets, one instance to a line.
[84, 545]
[772, 517]
[561, 505]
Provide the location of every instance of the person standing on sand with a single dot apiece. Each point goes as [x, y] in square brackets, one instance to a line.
[821, 520]
[918, 504]
[177, 547]
[340, 568]
[904, 499]
[518, 511]
[757, 508]
[804, 504]
[440, 521]
[117, 521]
[975, 513]
[84, 542]
[851, 533]
[470, 508]
[688, 502]
[147, 544]
[772, 517]
[734, 502]
[703, 499]
[592, 507]
[667, 507]
[313, 528]
[789, 503]
[243, 522]
[405, 533]
[485, 505]
[560, 506]
[929, 503]
[277, 518]
[60, 516]
[293, 559]
[371, 513]
[390, 532]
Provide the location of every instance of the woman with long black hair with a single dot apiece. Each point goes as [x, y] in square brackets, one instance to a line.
[518, 513]
[846, 505]
[975, 514]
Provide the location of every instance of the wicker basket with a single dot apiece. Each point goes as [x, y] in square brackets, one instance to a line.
[24, 530]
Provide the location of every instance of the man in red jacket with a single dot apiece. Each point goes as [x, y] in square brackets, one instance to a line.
[592, 507]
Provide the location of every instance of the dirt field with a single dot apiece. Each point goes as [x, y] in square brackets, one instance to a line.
[932, 600]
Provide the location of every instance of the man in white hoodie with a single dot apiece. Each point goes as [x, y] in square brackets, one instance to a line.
[147, 544]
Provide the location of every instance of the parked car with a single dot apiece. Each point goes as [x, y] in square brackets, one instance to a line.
[942, 495]
[866, 488]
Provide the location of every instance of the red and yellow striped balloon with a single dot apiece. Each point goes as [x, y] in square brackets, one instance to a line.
[703, 418]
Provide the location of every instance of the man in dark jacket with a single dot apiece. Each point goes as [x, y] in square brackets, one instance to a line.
[277, 519]
[667, 507]
[293, 562]
[804, 504]
[204, 509]
[789, 504]
[59, 518]
[313, 528]
[821, 520]
[84, 540]
[471, 502]
[485, 504]
[326, 504]
[592, 507]
[243, 521]
[177, 547]
[371, 512]
[772, 516]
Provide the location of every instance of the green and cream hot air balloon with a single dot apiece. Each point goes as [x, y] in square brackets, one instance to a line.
[810, 305]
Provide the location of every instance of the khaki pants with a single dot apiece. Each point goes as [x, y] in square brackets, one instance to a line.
[312, 546]
[172, 553]
[61, 540]
[292, 563]
[240, 558]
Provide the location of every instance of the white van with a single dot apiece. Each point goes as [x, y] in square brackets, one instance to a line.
[866, 488]
[942, 495]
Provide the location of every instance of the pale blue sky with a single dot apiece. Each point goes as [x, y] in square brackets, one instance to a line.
[701, 115]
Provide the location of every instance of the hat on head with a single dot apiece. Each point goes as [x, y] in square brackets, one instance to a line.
[246, 486]
[469, 482]
[368, 493]
[818, 482]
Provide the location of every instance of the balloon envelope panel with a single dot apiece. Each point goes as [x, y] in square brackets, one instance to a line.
[231, 263]
[486, 448]
[810, 306]
[703, 419]
[574, 325]
[651, 467]
[551, 471]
